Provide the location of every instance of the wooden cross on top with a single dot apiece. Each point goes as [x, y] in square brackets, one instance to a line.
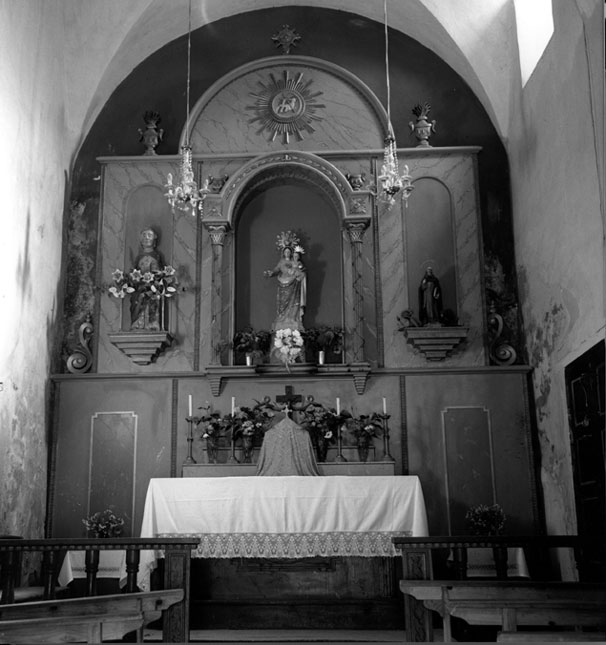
[288, 398]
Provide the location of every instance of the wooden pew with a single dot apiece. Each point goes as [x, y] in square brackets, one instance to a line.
[176, 552]
[418, 565]
[90, 619]
[512, 604]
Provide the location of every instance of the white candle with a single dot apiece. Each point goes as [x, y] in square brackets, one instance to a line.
[384, 405]
[191, 412]
[233, 405]
[338, 405]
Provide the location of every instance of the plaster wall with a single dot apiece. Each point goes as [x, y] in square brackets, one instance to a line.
[559, 233]
[33, 170]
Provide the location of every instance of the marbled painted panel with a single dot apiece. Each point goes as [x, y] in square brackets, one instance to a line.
[500, 397]
[121, 179]
[344, 119]
[113, 440]
[393, 280]
[457, 173]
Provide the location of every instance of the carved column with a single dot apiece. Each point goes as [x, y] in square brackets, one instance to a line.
[217, 237]
[356, 236]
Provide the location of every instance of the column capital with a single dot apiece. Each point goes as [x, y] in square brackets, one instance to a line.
[356, 230]
[217, 232]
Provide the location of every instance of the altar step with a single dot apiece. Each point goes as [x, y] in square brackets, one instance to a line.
[292, 637]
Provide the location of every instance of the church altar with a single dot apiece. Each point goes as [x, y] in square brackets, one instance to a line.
[284, 517]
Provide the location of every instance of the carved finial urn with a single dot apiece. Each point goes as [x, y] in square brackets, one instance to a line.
[423, 128]
[152, 135]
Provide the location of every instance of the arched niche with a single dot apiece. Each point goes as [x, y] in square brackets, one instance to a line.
[235, 220]
[279, 199]
[430, 241]
[145, 208]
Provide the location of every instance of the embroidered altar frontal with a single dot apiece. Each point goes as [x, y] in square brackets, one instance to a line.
[287, 517]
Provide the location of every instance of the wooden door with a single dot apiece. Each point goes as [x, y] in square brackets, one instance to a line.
[585, 393]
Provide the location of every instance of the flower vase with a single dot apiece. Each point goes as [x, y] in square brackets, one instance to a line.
[321, 357]
[363, 448]
[321, 450]
[247, 450]
[249, 360]
[212, 451]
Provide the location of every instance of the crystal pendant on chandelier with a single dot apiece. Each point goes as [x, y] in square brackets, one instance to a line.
[392, 183]
[186, 196]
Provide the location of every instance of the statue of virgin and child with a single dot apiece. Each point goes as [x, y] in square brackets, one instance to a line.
[291, 296]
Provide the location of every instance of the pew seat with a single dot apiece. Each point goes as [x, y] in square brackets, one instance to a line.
[509, 605]
[91, 619]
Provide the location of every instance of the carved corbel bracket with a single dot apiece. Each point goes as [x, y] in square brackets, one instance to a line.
[216, 374]
[360, 373]
[142, 348]
[435, 343]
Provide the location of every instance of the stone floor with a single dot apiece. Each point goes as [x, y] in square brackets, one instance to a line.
[292, 637]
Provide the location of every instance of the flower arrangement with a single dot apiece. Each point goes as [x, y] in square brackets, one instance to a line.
[485, 520]
[249, 341]
[105, 524]
[289, 344]
[211, 424]
[154, 285]
[324, 338]
[319, 422]
[364, 427]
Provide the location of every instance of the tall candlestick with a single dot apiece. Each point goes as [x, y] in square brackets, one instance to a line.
[338, 405]
[384, 405]
[233, 405]
[191, 412]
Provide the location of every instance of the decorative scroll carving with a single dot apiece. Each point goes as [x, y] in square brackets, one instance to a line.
[81, 359]
[500, 352]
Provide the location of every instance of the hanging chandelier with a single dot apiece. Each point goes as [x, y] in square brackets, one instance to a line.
[392, 182]
[185, 195]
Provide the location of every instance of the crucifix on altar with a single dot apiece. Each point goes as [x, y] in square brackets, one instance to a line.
[287, 448]
[292, 402]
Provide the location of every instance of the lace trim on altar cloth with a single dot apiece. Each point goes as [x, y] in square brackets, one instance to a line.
[295, 545]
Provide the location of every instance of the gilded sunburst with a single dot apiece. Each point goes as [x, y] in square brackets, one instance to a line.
[286, 106]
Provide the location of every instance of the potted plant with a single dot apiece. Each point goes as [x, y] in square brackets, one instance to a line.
[319, 422]
[104, 524]
[485, 520]
[253, 344]
[249, 426]
[323, 340]
[364, 428]
[213, 428]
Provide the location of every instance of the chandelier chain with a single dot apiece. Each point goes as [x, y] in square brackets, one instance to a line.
[388, 83]
[188, 77]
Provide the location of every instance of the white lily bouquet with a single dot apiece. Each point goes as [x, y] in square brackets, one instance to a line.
[289, 343]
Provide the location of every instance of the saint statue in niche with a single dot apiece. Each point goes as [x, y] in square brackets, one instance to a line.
[430, 299]
[144, 311]
[291, 296]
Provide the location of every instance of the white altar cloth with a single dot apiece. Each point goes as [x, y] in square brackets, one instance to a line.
[285, 517]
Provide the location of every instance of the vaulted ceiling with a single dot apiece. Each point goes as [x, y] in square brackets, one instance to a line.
[106, 40]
